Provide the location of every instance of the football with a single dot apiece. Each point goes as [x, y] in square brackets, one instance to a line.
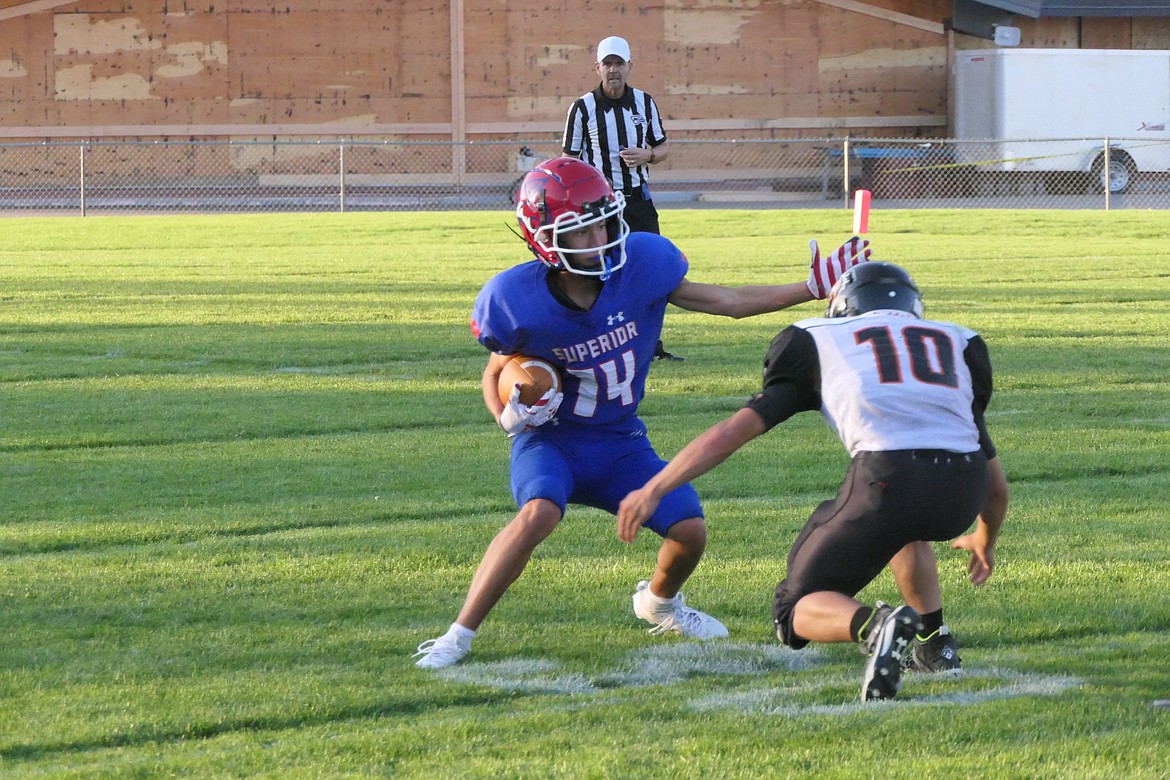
[535, 377]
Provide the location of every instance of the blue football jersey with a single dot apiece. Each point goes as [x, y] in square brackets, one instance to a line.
[604, 354]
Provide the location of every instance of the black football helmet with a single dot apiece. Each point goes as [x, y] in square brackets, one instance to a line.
[872, 286]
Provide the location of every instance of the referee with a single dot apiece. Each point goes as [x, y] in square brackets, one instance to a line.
[618, 130]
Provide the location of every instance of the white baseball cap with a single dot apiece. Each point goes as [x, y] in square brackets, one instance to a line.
[613, 45]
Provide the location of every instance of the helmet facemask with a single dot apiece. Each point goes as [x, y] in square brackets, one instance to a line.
[548, 237]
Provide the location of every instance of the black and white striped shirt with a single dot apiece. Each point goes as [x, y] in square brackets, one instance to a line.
[598, 128]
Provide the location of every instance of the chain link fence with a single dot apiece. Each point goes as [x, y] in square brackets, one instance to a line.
[346, 174]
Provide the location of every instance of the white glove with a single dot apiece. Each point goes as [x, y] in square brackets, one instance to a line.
[517, 417]
[823, 272]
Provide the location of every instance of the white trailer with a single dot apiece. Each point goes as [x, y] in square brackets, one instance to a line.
[1046, 110]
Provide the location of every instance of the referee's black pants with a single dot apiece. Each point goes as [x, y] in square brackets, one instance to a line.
[641, 216]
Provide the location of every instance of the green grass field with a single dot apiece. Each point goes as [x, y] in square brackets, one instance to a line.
[246, 470]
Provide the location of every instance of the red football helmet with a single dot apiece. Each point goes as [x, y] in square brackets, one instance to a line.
[565, 194]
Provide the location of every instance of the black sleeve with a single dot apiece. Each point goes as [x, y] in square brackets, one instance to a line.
[979, 363]
[792, 378]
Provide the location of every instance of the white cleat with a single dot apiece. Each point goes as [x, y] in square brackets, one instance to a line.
[676, 616]
[440, 653]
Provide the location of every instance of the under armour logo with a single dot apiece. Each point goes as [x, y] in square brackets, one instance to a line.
[619, 317]
[900, 652]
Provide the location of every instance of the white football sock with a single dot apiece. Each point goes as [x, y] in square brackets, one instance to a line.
[461, 635]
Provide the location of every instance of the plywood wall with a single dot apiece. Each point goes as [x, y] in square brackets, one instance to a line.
[201, 67]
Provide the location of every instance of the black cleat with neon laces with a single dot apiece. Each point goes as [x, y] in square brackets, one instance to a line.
[889, 644]
[936, 654]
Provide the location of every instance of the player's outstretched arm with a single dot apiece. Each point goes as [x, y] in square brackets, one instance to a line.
[738, 302]
[704, 453]
[748, 301]
[981, 542]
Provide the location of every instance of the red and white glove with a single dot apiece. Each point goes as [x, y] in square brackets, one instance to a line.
[823, 272]
[517, 417]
